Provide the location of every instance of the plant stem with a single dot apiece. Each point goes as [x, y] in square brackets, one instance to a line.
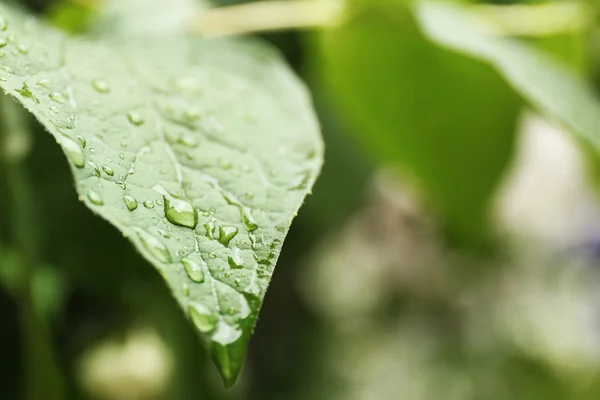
[42, 377]
[268, 16]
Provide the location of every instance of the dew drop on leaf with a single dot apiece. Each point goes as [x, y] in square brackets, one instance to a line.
[130, 202]
[108, 170]
[148, 204]
[202, 317]
[249, 222]
[235, 259]
[94, 198]
[180, 212]
[154, 246]
[135, 118]
[193, 270]
[226, 233]
[82, 141]
[7, 69]
[22, 49]
[58, 97]
[44, 83]
[73, 151]
[3, 42]
[101, 86]
[95, 168]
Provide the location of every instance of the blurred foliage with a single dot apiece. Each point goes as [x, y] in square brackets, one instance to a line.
[377, 293]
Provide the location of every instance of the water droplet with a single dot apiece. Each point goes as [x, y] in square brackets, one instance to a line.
[53, 109]
[81, 140]
[188, 141]
[204, 320]
[210, 230]
[7, 69]
[44, 83]
[159, 202]
[108, 170]
[185, 289]
[249, 221]
[73, 151]
[212, 255]
[3, 24]
[3, 42]
[121, 184]
[248, 196]
[148, 204]
[193, 270]
[235, 259]
[94, 198]
[135, 118]
[226, 233]
[22, 49]
[58, 97]
[95, 168]
[180, 212]
[101, 86]
[130, 202]
[191, 115]
[154, 246]
[225, 165]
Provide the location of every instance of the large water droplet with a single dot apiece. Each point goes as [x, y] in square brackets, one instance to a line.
[73, 151]
[193, 269]
[226, 233]
[58, 97]
[94, 198]
[154, 246]
[130, 202]
[235, 259]
[101, 86]
[180, 212]
[135, 118]
[204, 320]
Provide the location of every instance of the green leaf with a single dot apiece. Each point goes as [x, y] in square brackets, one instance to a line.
[198, 151]
[446, 120]
[544, 82]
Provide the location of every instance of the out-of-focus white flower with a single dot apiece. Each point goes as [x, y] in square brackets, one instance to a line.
[138, 368]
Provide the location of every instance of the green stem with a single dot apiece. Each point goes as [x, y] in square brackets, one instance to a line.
[42, 377]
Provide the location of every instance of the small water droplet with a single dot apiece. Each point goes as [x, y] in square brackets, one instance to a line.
[148, 204]
[191, 115]
[95, 168]
[212, 255]
[135, 118]
[235, 259]
[7, 69]
[154, 246]
[185, 289]
[44, 83]
[130, 202]
[3, 24]
[73, 151]
[249, 221]
[101, 85]
[53, 109]
[204, 320]
[188, 141]
[3, 42]
[180, 212]
[226, 233]
[94, 198]
[193, 270]
[108, 170]
[121, 184]
[22, 49]
[81, 140]
[58, 97]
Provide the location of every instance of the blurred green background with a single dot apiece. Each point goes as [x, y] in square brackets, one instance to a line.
[449, 250]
